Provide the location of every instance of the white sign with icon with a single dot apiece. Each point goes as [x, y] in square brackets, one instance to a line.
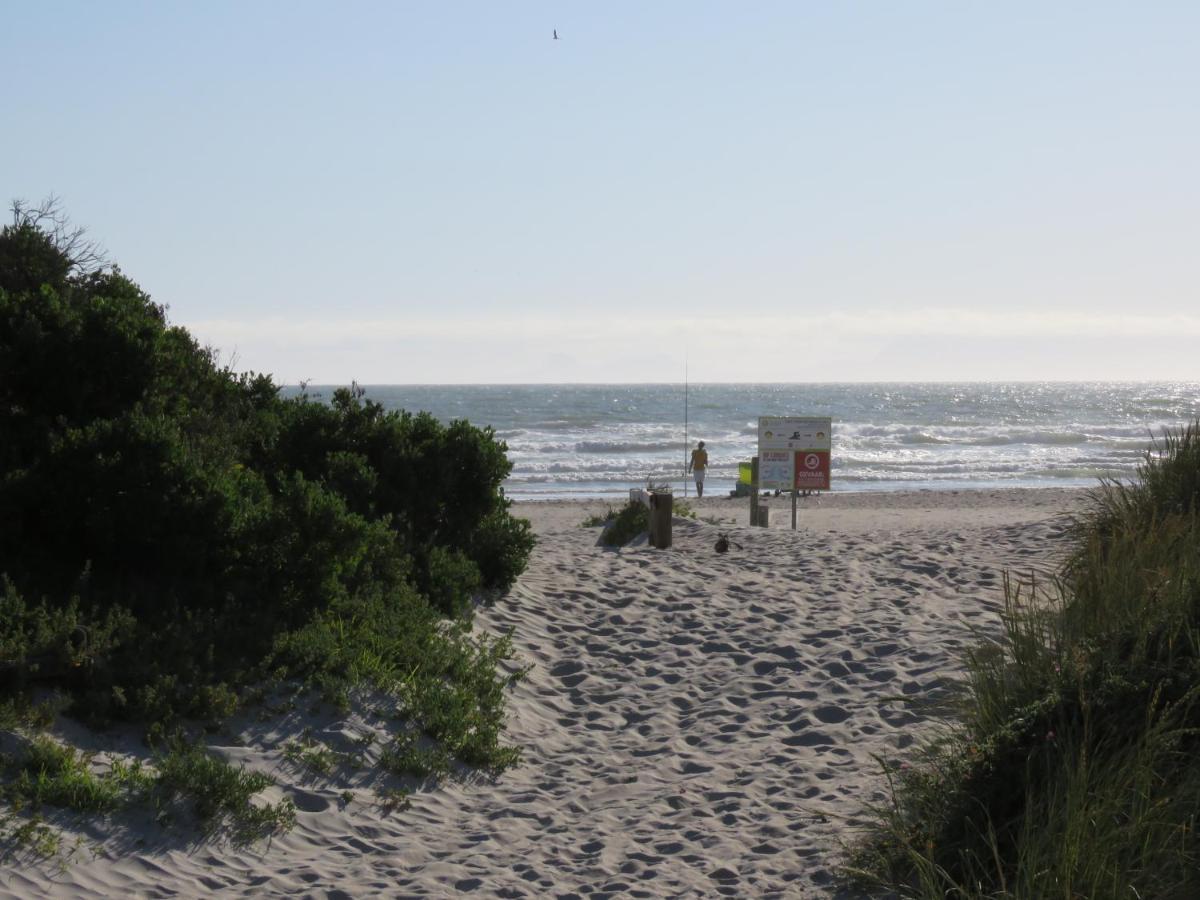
[794, 433]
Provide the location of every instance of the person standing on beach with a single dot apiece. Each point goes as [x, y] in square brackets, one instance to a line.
[697, 466]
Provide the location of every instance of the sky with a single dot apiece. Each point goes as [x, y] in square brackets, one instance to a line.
[796, 191]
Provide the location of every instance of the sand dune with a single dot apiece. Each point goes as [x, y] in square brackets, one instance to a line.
[694, 724]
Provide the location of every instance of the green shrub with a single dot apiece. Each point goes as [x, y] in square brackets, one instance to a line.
[221, 795]
[453, 579]
[500, 544]
[632, 520]
[59, 775]
[435, 485]
[40, 642]
[445, 679]
[406, 756]
[172, 529]
[53, 774]
[1073, 768]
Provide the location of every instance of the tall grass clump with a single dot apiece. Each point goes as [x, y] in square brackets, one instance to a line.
[633, 519]
[1073, 768]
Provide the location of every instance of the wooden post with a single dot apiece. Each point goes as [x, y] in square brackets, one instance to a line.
[758, 512]
[794, 510]
[662, 504]
[753, 491]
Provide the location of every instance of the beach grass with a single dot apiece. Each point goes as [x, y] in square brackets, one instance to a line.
[221, 795]
[599, 519]
[1072, 766]
[679, 507]
[630, 521]
[54, 774]
[51, 774]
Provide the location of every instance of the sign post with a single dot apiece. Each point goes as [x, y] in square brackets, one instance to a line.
[794, 454]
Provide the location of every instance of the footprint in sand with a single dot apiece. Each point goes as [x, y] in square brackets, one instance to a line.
[570, 672]
[831, 715]
[808, 739]
[307, 801]
[836, 670]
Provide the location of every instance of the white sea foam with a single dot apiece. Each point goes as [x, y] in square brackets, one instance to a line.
[570, 440]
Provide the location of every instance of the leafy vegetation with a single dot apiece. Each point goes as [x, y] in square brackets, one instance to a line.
[220, 794]
[632, 520]
[58, 775]
[1074, 768]
[49, 773]
[315, 756]
[601, 519]
[32, 835]
[175, 532]
[393, 800]
[406, 757]
[682, 508]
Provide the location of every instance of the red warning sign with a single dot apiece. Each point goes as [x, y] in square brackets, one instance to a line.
[812, 470]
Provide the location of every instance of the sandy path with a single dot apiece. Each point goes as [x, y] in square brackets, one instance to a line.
[694, 724]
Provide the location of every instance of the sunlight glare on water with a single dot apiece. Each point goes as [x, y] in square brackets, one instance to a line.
[600, 440]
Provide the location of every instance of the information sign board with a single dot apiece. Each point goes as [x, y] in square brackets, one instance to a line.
[794, 452]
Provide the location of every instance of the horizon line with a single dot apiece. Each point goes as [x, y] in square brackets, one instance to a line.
[1055, 381]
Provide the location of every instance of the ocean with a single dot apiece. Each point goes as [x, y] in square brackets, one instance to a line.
[590, 441]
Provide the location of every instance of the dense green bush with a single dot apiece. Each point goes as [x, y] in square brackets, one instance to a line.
[436, 486]
[171, 528]
[1074, 769]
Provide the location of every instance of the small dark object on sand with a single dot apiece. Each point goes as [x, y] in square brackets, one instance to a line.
[723, 543]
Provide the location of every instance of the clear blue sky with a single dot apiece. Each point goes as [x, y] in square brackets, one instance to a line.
[440, 192]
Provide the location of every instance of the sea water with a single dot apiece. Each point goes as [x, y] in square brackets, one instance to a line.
[600, 440]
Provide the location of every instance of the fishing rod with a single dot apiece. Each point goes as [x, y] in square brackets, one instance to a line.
[685, 422]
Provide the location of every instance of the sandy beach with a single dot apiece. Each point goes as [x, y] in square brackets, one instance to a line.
[693, 723]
